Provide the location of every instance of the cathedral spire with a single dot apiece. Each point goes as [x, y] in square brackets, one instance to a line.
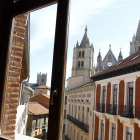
[120, 57]
[138, 32]
[85, 39]
[77, 44]
[99, 56]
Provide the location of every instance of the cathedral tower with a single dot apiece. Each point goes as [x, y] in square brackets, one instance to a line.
[41, 79]
[83, 55]
[135, 44]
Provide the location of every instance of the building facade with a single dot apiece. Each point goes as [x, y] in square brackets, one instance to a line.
[83, 57]
[79, 110]
[117, 101]
[108, 60]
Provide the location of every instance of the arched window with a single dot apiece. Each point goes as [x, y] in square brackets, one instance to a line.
[83, 114]
[87, 120]
[82, 64]
[82, 53]
[79, 53]
[79, 64]
[79, 114]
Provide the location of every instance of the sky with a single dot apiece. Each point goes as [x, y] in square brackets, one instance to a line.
[108, 21]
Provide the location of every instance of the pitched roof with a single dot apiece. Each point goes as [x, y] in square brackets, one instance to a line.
[48, 96]
[35, 108]
[128, 65]
[42, 87]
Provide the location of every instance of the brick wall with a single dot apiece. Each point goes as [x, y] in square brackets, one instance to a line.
[121, 95]
[96, 127]
[14, 77]
[108, 93]
[106, 129]
[120, 131]
[137, 96]
[98, 91]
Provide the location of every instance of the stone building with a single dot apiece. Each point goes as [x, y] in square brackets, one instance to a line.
[108, 60]
[41, 79]
[117, 101]
[83, 57]
[135, 44]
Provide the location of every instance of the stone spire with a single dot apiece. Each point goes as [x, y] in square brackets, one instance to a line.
[85, 39]
[138, 32]
[99, 58]
[120, 57]
[77, 44]
[110, 47]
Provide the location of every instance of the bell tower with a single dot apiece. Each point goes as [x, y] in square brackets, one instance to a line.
[83, 57]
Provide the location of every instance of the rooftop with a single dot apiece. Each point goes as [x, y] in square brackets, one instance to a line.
[128, 65]
[35, 108]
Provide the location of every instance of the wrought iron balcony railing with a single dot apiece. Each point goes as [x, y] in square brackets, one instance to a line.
[111, 109]
[127, 111]
[78, 123]
[101, 107]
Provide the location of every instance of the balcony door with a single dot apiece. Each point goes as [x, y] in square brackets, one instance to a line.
[104, 94]
[113, 131]
[130, 95]
[102, 130]
[115, 99]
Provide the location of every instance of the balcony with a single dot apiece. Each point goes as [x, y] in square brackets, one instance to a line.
[78, 123]
[67, 138]
[101, 107]
[111, 109]
[126, 111]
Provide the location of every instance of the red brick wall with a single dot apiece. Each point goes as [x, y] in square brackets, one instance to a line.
[14, 77]
[108, 93]
[136, 132]
[96, 129]
[120, 131]
[137, 96]
[121, 95]
[98, 91]
[106, 129]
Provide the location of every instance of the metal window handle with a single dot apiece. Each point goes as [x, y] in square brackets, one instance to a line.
[54, 93]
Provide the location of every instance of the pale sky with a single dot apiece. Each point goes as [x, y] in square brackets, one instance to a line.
[108, 21]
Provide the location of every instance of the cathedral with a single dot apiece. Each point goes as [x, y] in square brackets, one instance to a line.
[83, 57]
[135, 44]
[108, 60]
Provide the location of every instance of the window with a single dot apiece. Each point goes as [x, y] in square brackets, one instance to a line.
[64, 114]
[42, 80]
[129, 133]
[83, 115]
[77, 136]
[113, 131]
[130, 95]
[81, 137]
[115, 95]
[65, 100]
[72, 111]
[79, 114]
[44, 120]
[82, 64]
[38, 80]
[78, 64]
[40, 90]
[36, 122]
[75, 111]
[82, 53]
[63, 128]
[87, 120]
[102, 130]
[138, 48]
[35, 133]
[69, 109]
[104, 94]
